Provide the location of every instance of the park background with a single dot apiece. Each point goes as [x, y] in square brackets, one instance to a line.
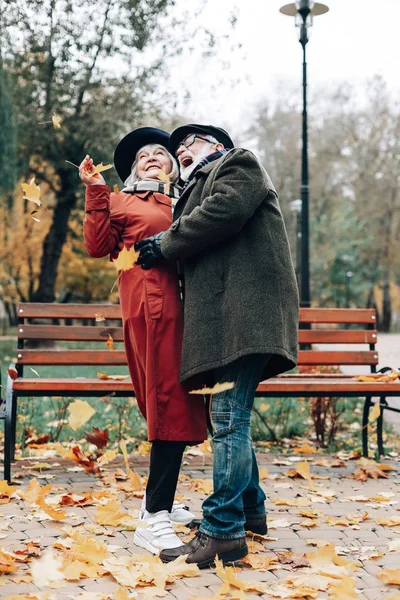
[106, 69]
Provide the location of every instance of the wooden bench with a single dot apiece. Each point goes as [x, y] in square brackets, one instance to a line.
[42, 322]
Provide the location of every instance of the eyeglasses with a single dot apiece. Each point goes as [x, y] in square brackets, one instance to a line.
[190, 139]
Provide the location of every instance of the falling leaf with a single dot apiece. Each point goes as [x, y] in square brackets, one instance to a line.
[13, 373]
[32, 192]
[56, 120]
[113, 377]
[80, 412]
[375, 413]
[217, 389]
[126, 259]
[100, 167]
[390, 576]
[98, 437]
[110, 343]
[76, 455]
[47, 570]
[116, 189]
[99, 317]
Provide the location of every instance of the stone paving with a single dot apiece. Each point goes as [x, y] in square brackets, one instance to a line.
[330, 496]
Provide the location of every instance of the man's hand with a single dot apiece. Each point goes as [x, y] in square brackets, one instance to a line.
[150, 250]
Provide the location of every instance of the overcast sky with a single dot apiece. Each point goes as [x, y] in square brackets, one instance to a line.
[353, 41]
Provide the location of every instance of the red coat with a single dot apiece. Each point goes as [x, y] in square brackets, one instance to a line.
[151, 311]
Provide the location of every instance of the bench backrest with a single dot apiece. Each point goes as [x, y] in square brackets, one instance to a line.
[47, 321]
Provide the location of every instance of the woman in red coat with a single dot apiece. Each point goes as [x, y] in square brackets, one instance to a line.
[152, 317]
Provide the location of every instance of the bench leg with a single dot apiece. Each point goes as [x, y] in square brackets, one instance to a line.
[13, 425]
[379, 427]
[367, 406]
[8, 431]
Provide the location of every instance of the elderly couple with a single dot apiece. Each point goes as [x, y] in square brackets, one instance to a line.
[205, 214]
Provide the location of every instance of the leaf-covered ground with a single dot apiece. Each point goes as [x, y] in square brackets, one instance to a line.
[66, 532]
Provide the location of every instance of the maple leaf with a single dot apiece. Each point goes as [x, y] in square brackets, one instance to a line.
[56, 120]
[203, 486]
[6, 491]
[329, 563]
[98, 437]
[76, 455]
[375, 413]
[110, 343]
[7, 562]
[390, 576]
[37, 441]
[13, 373]
[261, 563]
[99, 317]
[32, 192]
[216, 389]
[166, 178]
[79, 412]
[263, 473]
[107, 457]
[116, 189]
[100, 167]
[47, 570]
[388, 521]
[126, 259]
[370, 468]
[110, 513]
[305, 448]
[303, 470]
[34, 493]
[105, 376]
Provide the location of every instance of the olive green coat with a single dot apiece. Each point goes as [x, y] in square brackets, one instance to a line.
[240, 288]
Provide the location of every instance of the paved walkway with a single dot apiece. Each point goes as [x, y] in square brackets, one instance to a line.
[360, 519]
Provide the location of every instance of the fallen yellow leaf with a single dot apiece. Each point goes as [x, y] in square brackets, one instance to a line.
[375, 413]
[390, 576]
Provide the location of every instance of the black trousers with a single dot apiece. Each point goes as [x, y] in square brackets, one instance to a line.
[165, 464]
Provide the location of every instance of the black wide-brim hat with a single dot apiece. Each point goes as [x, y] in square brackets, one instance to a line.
[129, 146]
[181, 132]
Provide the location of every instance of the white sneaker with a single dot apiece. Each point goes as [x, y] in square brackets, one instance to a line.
[180, 514]
[158, 535]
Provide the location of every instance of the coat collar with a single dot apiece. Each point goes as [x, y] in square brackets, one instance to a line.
[161, 198]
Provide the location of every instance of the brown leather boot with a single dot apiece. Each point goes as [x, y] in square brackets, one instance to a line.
[257, 525]
[203, 549]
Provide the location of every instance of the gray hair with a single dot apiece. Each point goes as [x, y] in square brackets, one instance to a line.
[174, 175]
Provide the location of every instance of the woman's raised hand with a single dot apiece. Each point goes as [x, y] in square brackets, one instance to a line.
[87, 173]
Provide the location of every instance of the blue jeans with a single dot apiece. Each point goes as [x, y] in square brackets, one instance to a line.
[237, 494]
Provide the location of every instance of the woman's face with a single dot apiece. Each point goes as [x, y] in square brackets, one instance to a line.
[150, 160]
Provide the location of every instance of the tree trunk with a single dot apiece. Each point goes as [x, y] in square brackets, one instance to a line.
[52, 248]
[386, 307]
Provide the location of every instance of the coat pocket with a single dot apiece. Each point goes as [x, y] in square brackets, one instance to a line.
[155, 299]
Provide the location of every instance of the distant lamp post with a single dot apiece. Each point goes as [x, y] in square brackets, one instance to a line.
[295, 207]
[304, 11]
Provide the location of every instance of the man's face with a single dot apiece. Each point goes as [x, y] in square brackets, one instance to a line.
[192, 149]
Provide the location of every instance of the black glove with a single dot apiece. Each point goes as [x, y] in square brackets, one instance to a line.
[150, 250]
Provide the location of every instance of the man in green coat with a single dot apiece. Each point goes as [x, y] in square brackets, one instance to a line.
[240, 317]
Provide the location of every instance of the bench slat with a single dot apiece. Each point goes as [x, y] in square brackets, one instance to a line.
[100, 334]
[69, 333]
[71, 357]
[113, 311]
[277, 385]
[337, 315]
[337, 336]
[337, 358]
[67, 311]
[118, 357]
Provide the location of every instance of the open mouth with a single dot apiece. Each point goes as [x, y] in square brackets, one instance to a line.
[153, 166]
[186, 161]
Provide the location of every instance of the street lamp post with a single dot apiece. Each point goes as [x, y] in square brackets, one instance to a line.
[304, 11]
[295, 206]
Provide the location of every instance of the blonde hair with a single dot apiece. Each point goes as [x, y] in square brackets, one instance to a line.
[174, 175]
